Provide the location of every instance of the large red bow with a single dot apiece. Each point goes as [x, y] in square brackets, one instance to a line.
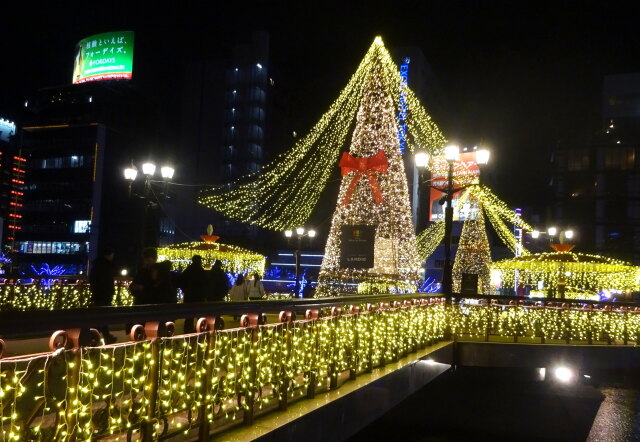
[364, 166]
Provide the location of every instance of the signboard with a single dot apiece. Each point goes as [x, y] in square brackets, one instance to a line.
[356, 246]
[7, 129]
[469, 284]
[107, 56]
[465, 171]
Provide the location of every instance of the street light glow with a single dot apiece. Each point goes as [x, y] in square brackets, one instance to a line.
[300, 230]
[130, 173]
[288, 233]
[422, 158]
[563, 374]
[568, 234]
[451, 152]
[482, 156]
[311, 233]
[535, 234]
[552, 231]
[167, 172]
[148, 169]
[124, 272]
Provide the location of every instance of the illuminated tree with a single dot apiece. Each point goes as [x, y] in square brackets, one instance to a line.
[283, 194]
[473, 255]
[373, 192]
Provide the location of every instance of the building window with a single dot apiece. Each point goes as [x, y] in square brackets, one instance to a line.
[81, 226]
[577, 159]
[62, 162]
[619, 158]
[53, 247]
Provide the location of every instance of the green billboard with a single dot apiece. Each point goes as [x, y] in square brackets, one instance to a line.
[107, 56]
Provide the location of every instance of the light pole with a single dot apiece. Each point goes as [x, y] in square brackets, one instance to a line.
[148, 170]
[561, 247]
[300, 233]
[451, 155]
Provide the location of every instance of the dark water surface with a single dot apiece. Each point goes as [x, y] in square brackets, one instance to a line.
[515, 405]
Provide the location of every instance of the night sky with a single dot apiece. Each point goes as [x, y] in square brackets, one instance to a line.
[519, 76]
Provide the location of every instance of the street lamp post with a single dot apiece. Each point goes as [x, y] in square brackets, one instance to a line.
[148, 170]
[561, 247]
[300, 233]
[451, 154]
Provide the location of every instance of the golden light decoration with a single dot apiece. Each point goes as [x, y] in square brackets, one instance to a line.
[583, 274]
[396, 264]
[234, 259]
[167, 387]
[285, 191]
[473, 255]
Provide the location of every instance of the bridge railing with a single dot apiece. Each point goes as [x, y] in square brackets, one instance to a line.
[161, 384]
[545, 320]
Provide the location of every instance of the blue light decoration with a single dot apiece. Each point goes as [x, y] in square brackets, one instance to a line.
[402, 104]
[430, 285]
[303, 283]
[4, 259]
[47, 270]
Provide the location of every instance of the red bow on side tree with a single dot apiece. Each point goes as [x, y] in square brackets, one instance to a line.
[364, 166]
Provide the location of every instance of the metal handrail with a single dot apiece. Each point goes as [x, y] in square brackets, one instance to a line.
[29, 323]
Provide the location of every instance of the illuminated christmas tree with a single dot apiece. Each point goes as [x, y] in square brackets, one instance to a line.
[473, 255]
[373, 201]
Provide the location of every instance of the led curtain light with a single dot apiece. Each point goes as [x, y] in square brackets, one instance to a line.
[284, 193]
[373, 192]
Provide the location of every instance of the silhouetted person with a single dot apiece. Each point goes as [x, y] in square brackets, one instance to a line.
[142, 285]
[194, 282]
[163, 286]
[101, 281]
[219, 283]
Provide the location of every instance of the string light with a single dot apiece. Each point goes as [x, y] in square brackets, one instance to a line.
[473, 255]
[395, 258]
[284, 193]
[583, 275]
[173, 383]
[234, 259]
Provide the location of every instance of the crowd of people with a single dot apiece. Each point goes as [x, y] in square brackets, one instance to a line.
[155, 283]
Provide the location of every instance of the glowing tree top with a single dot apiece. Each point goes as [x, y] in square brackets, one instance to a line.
[373, 205]
[283, 194]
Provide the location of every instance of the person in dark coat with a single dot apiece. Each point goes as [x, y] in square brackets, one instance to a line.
[194, 282]
[142, 285]
[101, 280]
[219, 282]
[163, 284]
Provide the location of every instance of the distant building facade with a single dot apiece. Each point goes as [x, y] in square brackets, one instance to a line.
[235, 117]
[596, 179]
[75, 142]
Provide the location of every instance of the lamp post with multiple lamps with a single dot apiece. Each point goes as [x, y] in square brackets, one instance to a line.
[451, 155]
[300, 232]
[562, 247]
[148, 172]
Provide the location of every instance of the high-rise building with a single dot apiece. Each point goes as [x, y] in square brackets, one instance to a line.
[596, 177]
[75, 141]
[235, 116]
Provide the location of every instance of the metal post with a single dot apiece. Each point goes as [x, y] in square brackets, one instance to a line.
[447, 278]
[297, 256]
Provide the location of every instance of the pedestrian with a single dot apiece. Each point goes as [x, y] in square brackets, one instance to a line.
[219, 283]
[239, 291]
[163, 284]
[101, 280]
[142, 285]
[194, 283]
[256, 289]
